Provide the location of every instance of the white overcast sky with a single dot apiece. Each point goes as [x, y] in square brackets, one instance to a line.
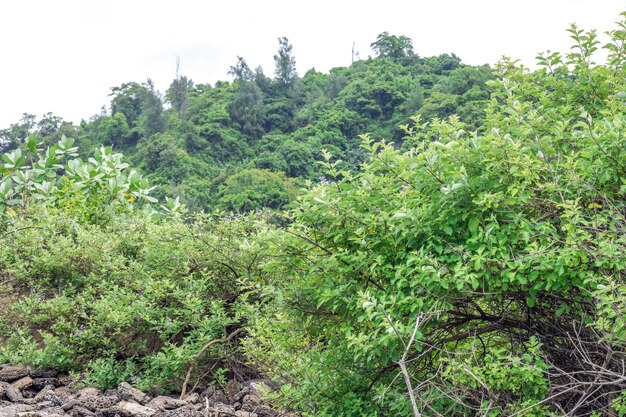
[63, 56]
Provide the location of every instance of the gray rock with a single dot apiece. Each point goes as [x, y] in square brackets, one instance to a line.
[54, 397]
[192, 398]
[182, 412]
[40, 383]
[22, 408]
[43, 405]
[40, 396]
[241, 413]
[129, 393]
[92, 403]
[13, 373]
[79, 411]
[88, 392]
[43, 373]
[224, 409]
[65, 380]
[7, 412]
[214, 395]
[11, 393]
[162, 403]
[54, 411]
[131, 409]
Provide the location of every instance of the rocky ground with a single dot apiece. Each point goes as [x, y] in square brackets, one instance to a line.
[26, 392]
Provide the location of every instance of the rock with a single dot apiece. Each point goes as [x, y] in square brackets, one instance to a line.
[53, 397]
[251, 399]
[43, 405]
[39, 383]
[129, 393]
[232, 389]
[241, 413]
[56, 411]
[181, 412]
[7, 412]
[223, 409]
[22, 408]
[245, 391]
[13, 373]
[108, 412]
[22, 383]
[11, 393]
[162, 403]
[192, 398]
[131, 409]
[40, 396]
[65, 380]
[88, 392]
[92, 402]
[43, 373]
[214, 395]
[79, 411]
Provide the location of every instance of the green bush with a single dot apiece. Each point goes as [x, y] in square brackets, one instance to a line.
[501, 251]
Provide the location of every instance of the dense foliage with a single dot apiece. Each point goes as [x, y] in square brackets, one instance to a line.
[483, 272]
[197, 136]
[471, 265]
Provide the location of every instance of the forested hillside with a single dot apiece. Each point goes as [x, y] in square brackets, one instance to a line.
[250, 143]
[471, 262]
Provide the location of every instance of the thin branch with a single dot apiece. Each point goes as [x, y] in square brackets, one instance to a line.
[199, 354]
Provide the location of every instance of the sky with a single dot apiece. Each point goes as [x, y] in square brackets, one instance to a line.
[63, 56]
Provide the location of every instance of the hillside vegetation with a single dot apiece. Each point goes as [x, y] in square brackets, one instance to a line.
[250, 143]
[471, 264]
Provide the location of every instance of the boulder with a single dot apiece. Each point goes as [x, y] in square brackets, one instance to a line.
[43, 373]
[132, 409]
[129, 393]
[23, 383]
[13, 373]
[162, 403]
[11, 393]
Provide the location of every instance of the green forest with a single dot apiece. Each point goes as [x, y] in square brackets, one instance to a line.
[406, 236]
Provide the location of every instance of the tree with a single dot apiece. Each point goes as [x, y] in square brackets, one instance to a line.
[17, 133]
[178, 92]
[241, 71]
[141, 106]
[392, 46]
[285, 70]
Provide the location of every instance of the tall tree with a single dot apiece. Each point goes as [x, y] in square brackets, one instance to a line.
[178, 92]
[392, 46]
[241, 71]
[285, 63]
